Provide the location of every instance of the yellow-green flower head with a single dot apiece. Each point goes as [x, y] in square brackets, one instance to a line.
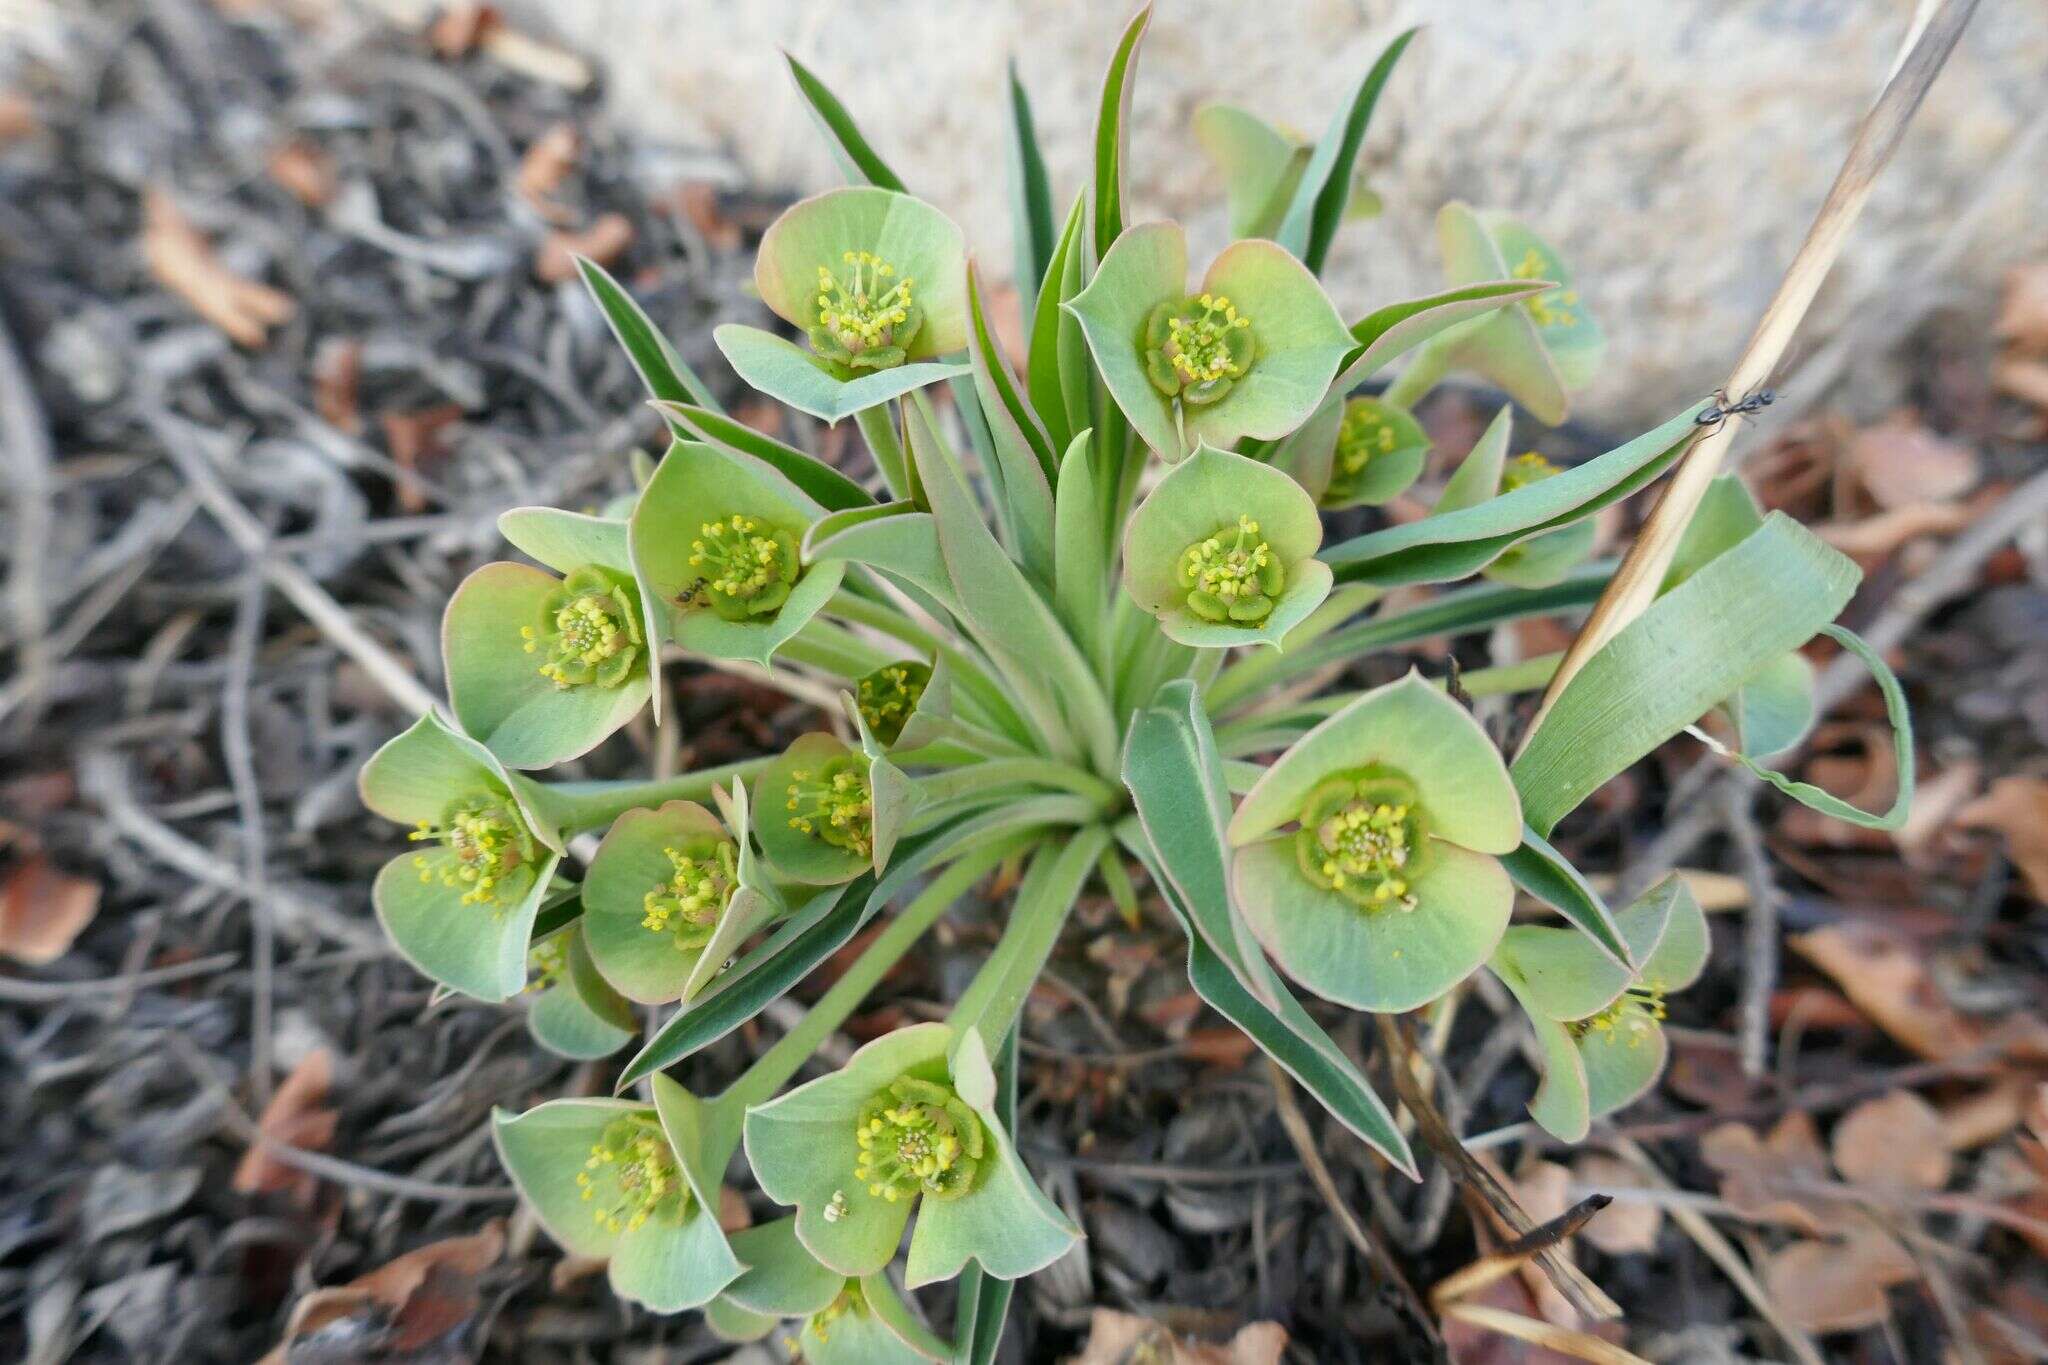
[867, 314]
[548, 962]
[888, 695]
[747, 566]
[632, 1175]
[851, 1300]
[1197, 347]
[1363, 434]
[1362, 836]
[834, 803]
[589, 632]
[494, 852]
[1525, 469]
[1553, 308]
[1630, 1021]
[917, 1137]
[686, 907]
[1232, 575]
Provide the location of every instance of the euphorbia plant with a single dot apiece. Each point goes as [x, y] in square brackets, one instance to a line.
[1085, 600]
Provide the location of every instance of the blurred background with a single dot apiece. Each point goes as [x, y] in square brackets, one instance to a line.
[287, 318]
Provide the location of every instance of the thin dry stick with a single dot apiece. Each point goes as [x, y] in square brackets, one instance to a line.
[1634, 585]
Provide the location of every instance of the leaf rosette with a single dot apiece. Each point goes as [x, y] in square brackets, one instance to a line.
[898, 1130]
[1367, 856]
[460, 906]
[1222, 552]
[1600, 1025]
[1249, 351]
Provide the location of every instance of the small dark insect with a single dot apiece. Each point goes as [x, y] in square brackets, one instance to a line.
[1720, 410]
[688, 596]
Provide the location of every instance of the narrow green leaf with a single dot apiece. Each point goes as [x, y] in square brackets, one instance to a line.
[830, 488]
[983, 1301]
[661, 369]
[1080, 564]
[1325, 189]
[990, 1003]
[1030, 197]
[1056, 373]
[1547, 875]
[1023, 456]
[1387, 333]
[1691, 648]
[850, 148]
[787, 372]
[1106, 204]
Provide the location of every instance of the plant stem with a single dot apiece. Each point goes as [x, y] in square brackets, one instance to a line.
[587, 805]
[772, 1070]
[991, 1001]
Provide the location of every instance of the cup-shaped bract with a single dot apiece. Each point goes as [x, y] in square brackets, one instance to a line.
[1367, 856]
[575, 1013]
[1599, 1024]
[898, 1129]
[888, 697]
[824, 817]
[670, 895]
[1537, 350]
[1249, 351]
[716, 544]
[460, 906]
[1358, 452]
[633, 1184]
[840, 1318]
[1261, 165]
[1222, 552]
[542, 669]
[871, 277]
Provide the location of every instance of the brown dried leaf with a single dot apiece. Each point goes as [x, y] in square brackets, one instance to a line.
[1884, 974]
[17, 116]
[1936, 800]
[43, 910]
[1900, 463]
[415, 438]
[1223, 1048]
[296, 1116]
[183, 261]
[406, 1303]
[2023, 314]
[1985, 1115]
[460, 27]
[304, 171]
[1896, 1140]
[1125, 1339]
[1836, 1286]
[1750, 1168]
[545, 167]
[2017, 807]
[1625, 1227]
[1874, 537]
[2026, 380]
[337, 381]
[604, 241]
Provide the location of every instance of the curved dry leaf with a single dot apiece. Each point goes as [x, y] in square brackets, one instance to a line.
[183, 261]
[43, 910]
[404, 1304]
[2016, 807]
[1125, 1339]
[1626, 1227]
[1752, 1168]
[1836, 1287]
[1884, 975]
[296, 1116]
[1900, 462]
[1896, 1139]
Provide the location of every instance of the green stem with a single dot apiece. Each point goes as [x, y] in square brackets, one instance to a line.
[884, 618]
[760, 1082]
[579, 806]
[878, 428]
[834, 650]
[991, 1001]
[1429, 363]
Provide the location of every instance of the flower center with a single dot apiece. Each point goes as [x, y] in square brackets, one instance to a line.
[1525, 469]
[747, 565]
[1362, 435]
[688, 904]
[1233, 575]
[1630, 1020]
[493, 852]
[589, 630]
[1195, 348]
[548, 962]
[631, 1175]
[1553, 307]
[851, 1300]
[832, 802]
[888, 695]
[1362, 836]
[917, 1137]
[866, 315]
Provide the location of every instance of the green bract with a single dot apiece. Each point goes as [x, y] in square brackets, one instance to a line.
[1223, 552]
[1386, 890]
[1601, 1025]
[1249, 352]
[821, 819]
[575, 1012]
[896, 1130]
[851, 1320]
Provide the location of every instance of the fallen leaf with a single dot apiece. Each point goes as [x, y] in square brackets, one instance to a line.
[414, 438]
[1885, 975]
[2026, 380]
[296, 1116]
[460, 27]
[2023, 312]
[1125, 1339]
[1836, 1286]
[400, 1307]
[1223, 1048]
[1936, 800]
[43, 910]
[1894, 1140]
[1625, 1227]
[1984, 1115]
[2016, 807]
[337, 379]
[604, 241]
[303, 171]
[1874, 537]
[545, 167]
[1900, 462]
[183, 261]
[17, 116]
[1750, 1168]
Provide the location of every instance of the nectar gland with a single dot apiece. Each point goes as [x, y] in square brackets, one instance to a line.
[917, 1137]
[834, 803]
[494, 852]
[1232, 576]
[1196, 348]
[866, 315]
[1362, 837]
[631, 1175]
[747, 566]
[687, 906]
[589, 632]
